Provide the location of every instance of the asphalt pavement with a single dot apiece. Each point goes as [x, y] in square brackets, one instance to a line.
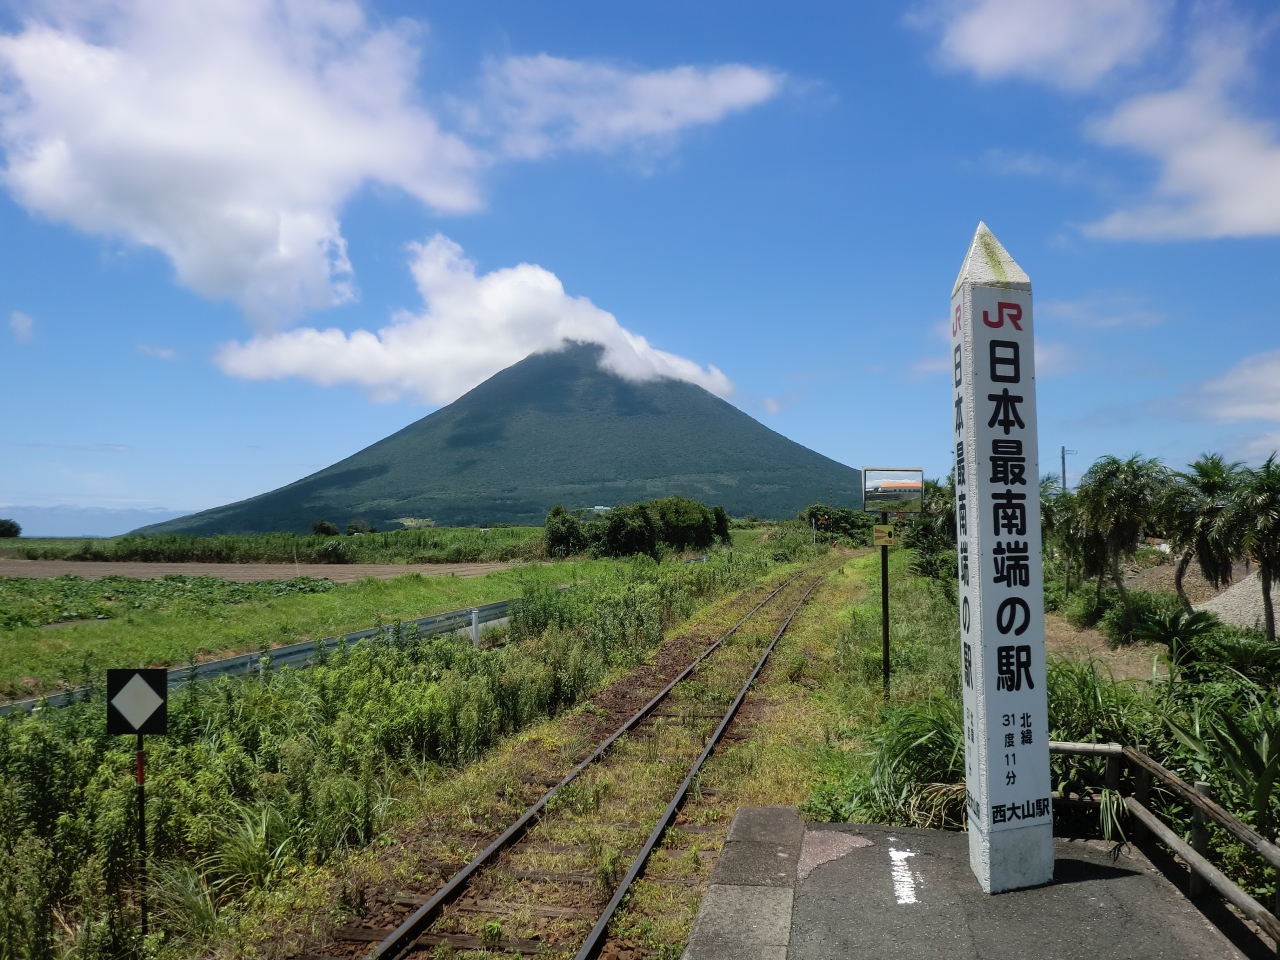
[784, 890]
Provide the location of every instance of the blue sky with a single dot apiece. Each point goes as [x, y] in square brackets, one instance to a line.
[238, 244]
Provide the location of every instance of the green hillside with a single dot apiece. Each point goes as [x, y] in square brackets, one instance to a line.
[553, 428]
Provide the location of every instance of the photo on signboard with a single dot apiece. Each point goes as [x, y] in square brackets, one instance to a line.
[892, 489]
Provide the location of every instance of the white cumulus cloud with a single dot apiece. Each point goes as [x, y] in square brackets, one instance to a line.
[472, 326]
[1248, 391]
[537, 105]
[22, 327]
[224, 135]
[228, 135]
[1066, 43]
[1219, 167]
[1217, 162]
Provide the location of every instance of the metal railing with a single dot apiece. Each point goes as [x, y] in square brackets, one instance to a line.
[296, 655]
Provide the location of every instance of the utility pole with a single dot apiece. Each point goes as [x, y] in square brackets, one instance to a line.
[1065, 451]
[884, 608]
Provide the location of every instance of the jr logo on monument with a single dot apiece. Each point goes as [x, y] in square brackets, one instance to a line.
[1006, 714]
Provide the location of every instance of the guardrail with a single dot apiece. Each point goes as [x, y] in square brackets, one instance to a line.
[1204, 875]
[295, 655]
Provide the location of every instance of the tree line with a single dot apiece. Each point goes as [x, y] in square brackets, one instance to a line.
[1214, 513]
[673, 523]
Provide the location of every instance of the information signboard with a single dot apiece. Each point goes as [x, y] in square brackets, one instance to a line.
[892, 490]
[1001, 586]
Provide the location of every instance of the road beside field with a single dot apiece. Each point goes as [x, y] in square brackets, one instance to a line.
[241, 572]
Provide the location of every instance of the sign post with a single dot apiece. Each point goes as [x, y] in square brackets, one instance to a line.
[138, 703]
[1006, 715]
[883, 489]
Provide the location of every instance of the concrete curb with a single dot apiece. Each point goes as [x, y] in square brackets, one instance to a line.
[746, 912]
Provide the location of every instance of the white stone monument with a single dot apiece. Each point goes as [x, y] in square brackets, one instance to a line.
[1006, 712]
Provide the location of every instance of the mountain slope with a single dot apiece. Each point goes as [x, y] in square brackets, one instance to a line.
[553, 428]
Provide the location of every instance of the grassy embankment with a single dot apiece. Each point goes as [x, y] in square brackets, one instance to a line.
[36, 659]
[431, 545]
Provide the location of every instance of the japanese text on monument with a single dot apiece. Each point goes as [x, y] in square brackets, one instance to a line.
[999, 558]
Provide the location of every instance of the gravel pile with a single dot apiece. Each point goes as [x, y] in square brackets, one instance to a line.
[1241, 605]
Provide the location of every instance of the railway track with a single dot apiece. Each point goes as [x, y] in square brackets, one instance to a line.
[558, 874]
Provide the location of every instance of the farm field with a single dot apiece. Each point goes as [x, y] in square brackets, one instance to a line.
[429, 545]
[35, 660]
[240, 572]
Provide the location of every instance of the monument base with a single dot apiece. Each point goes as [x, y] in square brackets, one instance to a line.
[1011, 859]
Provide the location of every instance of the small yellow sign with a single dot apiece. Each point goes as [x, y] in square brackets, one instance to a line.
[882, 534]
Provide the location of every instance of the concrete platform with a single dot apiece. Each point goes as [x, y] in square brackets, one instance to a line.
[833, 891]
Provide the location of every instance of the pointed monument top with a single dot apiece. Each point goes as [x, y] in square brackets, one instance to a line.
[989, 265]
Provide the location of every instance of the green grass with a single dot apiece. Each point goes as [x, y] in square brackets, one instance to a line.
[35, 602]
[35, 660]
[431, 545]
[747, 538]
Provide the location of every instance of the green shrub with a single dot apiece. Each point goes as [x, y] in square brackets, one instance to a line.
[564, 534]
[915, 749]
[838, 524]
[1121, 626]
[10, 528]
[791, 541]
[1083, 609]
[323, 528]
[1055, 594]
[624, 531]
[683, 524]
[673, 523]
[721, 523]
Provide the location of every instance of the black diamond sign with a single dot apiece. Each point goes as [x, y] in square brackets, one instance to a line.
[137, 701]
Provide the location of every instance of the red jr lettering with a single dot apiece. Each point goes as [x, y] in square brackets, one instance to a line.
[955, 321]
[1011, 311]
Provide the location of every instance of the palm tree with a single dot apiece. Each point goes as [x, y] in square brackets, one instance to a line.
[1189, 512]
[1082, 547]
[1250, 523]
[1117, 501]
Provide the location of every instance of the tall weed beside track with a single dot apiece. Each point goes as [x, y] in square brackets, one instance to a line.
[261, 779]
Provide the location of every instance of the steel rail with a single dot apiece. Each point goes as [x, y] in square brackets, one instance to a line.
[295, 655]
[595, 939]
[402, 938]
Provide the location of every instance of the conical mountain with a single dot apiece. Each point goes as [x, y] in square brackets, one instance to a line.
[553, 428]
